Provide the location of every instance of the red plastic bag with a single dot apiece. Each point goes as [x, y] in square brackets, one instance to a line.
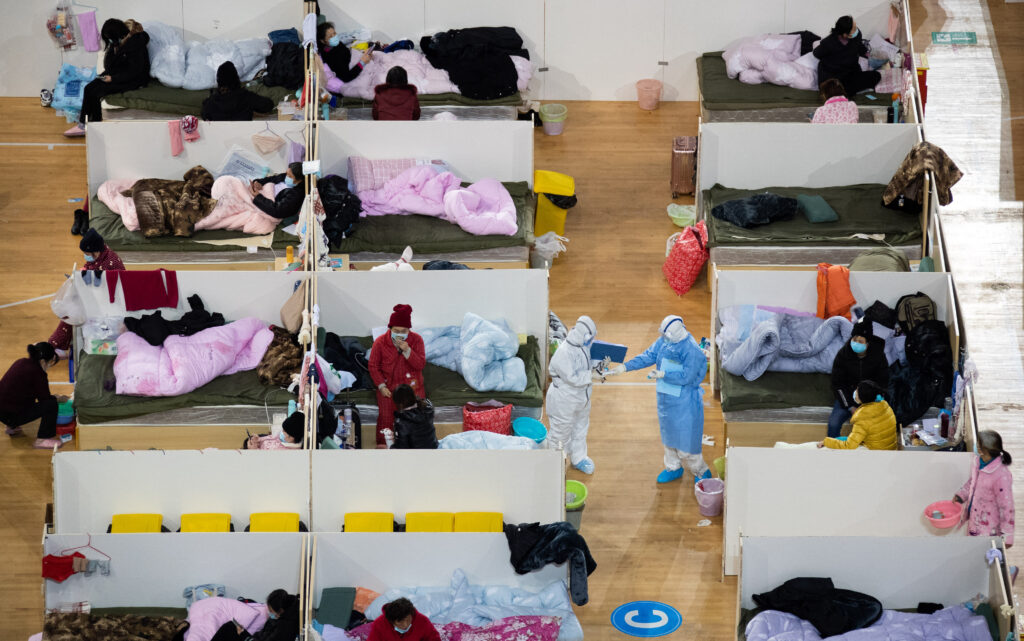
[686, 257]
[492, 416]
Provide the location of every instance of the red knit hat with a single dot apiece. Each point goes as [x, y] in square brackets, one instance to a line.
[402, 317]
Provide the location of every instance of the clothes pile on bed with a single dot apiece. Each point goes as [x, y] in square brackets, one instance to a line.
[194, 65]
[484, 352]
[484, 63]
[160, 207]
[408, 186]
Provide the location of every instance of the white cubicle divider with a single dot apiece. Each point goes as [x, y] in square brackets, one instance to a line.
[141, 148]
[152, 570]
[235, 294]
[899, 572]
[90, 487]
[526, 486]
[380, 561]
[499, 149]
[822, 492]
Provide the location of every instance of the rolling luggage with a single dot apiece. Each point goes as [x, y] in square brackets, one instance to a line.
[684, 165]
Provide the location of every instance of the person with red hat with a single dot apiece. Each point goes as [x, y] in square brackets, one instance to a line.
[396, 358]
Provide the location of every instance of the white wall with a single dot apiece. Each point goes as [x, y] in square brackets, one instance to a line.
[899, 572]
[90, 487]
[785, 492]
[153, 569]
[525, 486]
[593, 49]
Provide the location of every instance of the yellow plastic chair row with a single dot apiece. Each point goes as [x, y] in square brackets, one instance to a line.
[425, 522]
[205, 522]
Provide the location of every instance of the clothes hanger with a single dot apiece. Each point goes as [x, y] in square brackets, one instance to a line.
[288, 135]
[88, 546]
[84, 6]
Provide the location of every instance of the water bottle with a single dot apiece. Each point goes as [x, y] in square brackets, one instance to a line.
[946, 418]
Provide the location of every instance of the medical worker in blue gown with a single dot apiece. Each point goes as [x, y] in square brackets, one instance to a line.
[680, 366]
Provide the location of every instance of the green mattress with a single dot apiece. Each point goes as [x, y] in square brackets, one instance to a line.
[428, 235]
[94, 404]
[111, 227]
[775, 391]
[720, 92]
[447, 388]
[859, 208]
[442, 99]
[170, 100]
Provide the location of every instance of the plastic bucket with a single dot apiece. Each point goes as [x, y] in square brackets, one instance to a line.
[719, 465]
[710, 495]
[682, 215]
[553, 116]
[530, 428]
[944, 514]
[575, 501]
[648, 93]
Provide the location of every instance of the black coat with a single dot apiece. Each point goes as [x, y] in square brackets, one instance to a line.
[338, 59]
[818, 602]
[238, 104]
[414, 428]
[532, 546]
[838, 60]
[849, 370]
[477, 59]
[127, 64]
[286, 204]
[283, 628]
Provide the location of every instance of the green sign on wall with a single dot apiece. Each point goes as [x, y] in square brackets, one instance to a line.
[954, 38]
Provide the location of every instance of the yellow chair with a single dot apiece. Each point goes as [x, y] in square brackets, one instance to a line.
[429, 521]
[369, 522]
[136, 523]
[274, 522]
[478, 522]
[205, 522]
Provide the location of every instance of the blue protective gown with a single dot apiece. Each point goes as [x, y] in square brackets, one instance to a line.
[681, 416]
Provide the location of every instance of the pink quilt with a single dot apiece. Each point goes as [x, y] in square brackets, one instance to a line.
[206, 616]
[516, 628]
[235, 210]
[483, 208]
[185, 363]
[109, 194]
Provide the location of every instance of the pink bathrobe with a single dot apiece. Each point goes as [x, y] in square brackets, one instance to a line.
[989, 493]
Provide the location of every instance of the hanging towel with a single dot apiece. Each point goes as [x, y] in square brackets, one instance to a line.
[309, 31]
[174, 129]
[296, 152]
[834, 295]
[144, 289]
[87, 27]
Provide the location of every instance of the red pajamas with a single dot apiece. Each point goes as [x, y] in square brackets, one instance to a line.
[391, 368]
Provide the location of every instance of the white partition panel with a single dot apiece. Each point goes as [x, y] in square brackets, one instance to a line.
[90, 487]
[235, 294]
[525, 486]
[900, 572]
[388, 21]
[204, 20]
[871, 16]
[786, 492]
[351, 303]
[380, 561]
[142, 148]
[151, 570]
[474, 149]
[750, 155]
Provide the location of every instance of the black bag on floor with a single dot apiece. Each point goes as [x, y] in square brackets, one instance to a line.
[341, 206]
[284, 66]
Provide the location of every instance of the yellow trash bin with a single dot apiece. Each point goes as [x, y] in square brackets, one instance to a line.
[551, 217]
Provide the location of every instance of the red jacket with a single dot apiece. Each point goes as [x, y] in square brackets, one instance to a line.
[422, 630]
[107, 261]
[388, 366]
[395, 103]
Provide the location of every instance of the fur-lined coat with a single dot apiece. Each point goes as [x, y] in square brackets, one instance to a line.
[909, 177]
[174, 207]
[282, 359]
[121, 627]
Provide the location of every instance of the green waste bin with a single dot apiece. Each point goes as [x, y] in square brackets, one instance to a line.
[575, 501]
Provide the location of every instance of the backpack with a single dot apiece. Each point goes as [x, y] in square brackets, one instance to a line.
[914, 309]
[928, 376]
[284, 66]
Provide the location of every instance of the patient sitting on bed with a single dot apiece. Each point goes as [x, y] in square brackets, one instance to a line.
[290, 437]
[873, 423]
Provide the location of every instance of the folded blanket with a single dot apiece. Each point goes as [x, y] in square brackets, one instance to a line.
[483, 440]
[483, 351]
[185, 363]
[235, 210]
[956, 623]
[787, 343]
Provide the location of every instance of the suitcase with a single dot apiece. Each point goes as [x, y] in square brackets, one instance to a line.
[684, 165]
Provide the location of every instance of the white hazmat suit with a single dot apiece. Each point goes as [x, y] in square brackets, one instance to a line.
[568, 399]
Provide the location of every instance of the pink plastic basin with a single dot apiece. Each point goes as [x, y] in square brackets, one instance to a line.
[950, 513]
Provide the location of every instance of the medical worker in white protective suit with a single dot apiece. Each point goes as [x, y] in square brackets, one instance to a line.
[568, 399]
[680, 367]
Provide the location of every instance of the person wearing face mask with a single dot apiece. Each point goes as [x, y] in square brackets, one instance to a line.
[861, 359]
[401, 622]
[336, 58]
[568, 399]
[680, 366]
[290, 437]
[25, 396]
[98, 257]
[288, 193]
[873, 423]
[396, 358]
[282, 622]
[839, 57]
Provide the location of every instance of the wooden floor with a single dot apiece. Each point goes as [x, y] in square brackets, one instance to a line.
[645, 538]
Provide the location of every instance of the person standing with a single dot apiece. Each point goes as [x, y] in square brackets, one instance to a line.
[568, 398]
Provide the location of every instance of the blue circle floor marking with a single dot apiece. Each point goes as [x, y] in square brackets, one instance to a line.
[646, 619]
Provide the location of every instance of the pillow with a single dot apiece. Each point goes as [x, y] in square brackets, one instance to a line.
[815, 209]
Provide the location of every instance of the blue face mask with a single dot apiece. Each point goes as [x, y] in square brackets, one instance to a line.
[402, 631]
[858, 348]
[282, 436]
[271, 615]
[334, 40]
[88, 258]
[399, 336]
[288, 182]
[856, 32]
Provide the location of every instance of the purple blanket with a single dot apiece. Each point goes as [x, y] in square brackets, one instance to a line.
[956, 623]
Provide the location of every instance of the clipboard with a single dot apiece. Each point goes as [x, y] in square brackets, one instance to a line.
[616, 353]
[669, 365]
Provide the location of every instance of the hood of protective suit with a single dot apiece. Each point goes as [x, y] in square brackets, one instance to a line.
[672, 329]
[582, 332]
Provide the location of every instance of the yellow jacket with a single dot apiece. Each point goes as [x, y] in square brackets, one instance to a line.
[874, 426]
